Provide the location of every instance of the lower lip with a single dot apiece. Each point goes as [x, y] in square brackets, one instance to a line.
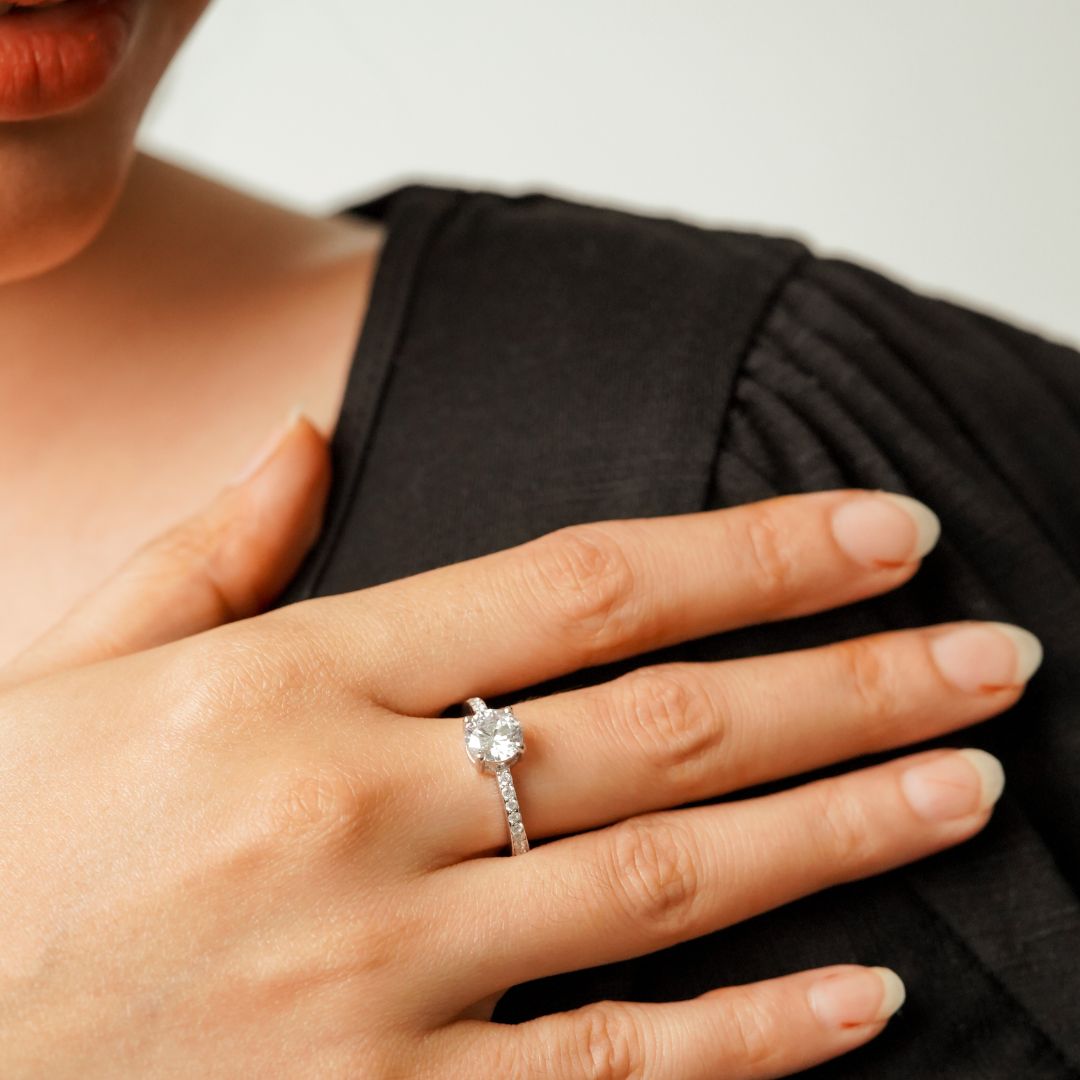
[56, 59]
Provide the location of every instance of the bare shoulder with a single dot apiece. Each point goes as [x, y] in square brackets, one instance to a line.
[189, 211]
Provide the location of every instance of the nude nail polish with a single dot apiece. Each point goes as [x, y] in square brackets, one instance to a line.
[953, 785]
[885, 528]
[853, 998]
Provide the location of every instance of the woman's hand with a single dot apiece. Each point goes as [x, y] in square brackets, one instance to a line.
[255, 852]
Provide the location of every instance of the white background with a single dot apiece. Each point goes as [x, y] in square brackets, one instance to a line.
[937, 140]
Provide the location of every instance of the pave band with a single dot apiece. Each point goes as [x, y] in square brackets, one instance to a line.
[519, 842]
[494, 742]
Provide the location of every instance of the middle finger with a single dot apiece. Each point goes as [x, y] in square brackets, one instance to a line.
[601, 591]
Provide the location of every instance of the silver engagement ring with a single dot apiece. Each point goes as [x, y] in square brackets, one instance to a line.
[494, 742]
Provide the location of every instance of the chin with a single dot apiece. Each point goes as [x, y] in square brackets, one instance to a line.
[54, 202]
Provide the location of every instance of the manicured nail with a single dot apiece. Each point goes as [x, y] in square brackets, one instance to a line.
[986, 655]
[852, 998]
[953, 785]
[266, 451]
[885, 528]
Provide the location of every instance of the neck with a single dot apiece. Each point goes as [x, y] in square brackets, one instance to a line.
[185, 268]
[138, 376]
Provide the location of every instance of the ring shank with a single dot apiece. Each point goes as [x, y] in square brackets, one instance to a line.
[519, 842]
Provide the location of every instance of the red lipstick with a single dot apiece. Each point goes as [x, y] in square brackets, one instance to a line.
[56, 56]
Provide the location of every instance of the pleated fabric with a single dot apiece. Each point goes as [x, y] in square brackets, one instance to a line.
[530, 361]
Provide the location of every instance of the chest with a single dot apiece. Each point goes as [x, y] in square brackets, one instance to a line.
[97, 464]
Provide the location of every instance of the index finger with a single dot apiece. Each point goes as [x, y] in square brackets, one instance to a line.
[592, 593]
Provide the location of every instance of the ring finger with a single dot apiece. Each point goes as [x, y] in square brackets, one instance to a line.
[670, 734]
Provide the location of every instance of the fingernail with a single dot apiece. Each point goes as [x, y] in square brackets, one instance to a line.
[954, 785]
[851, 998]
[266, 451]
[885, 528]
[990, 654]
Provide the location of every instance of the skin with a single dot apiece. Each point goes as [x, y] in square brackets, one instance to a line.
[216, 861]
[246, 310]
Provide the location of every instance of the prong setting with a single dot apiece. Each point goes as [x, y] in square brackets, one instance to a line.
[493, 738]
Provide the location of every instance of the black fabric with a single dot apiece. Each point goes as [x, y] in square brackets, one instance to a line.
[530, 361]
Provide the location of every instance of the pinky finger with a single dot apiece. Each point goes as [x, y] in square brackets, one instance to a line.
[762, 1030]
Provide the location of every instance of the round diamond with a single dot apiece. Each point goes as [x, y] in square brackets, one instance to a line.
[493, 736]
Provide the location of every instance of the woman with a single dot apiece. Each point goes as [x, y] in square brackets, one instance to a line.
[623, 474]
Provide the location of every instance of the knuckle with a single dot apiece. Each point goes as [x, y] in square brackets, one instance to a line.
[654, 874]
[243, 672]
[584, 575]
[845, 835]
[209, 676]
[318, 799]
[180, 548]
[772, 569]
[670, 721]
[606, 1043]
[867, 676]
[750, 1031]
[187, 554]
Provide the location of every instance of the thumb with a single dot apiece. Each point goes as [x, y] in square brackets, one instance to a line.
[225, 563]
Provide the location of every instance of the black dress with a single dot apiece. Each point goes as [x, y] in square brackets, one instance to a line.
[528, 362]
